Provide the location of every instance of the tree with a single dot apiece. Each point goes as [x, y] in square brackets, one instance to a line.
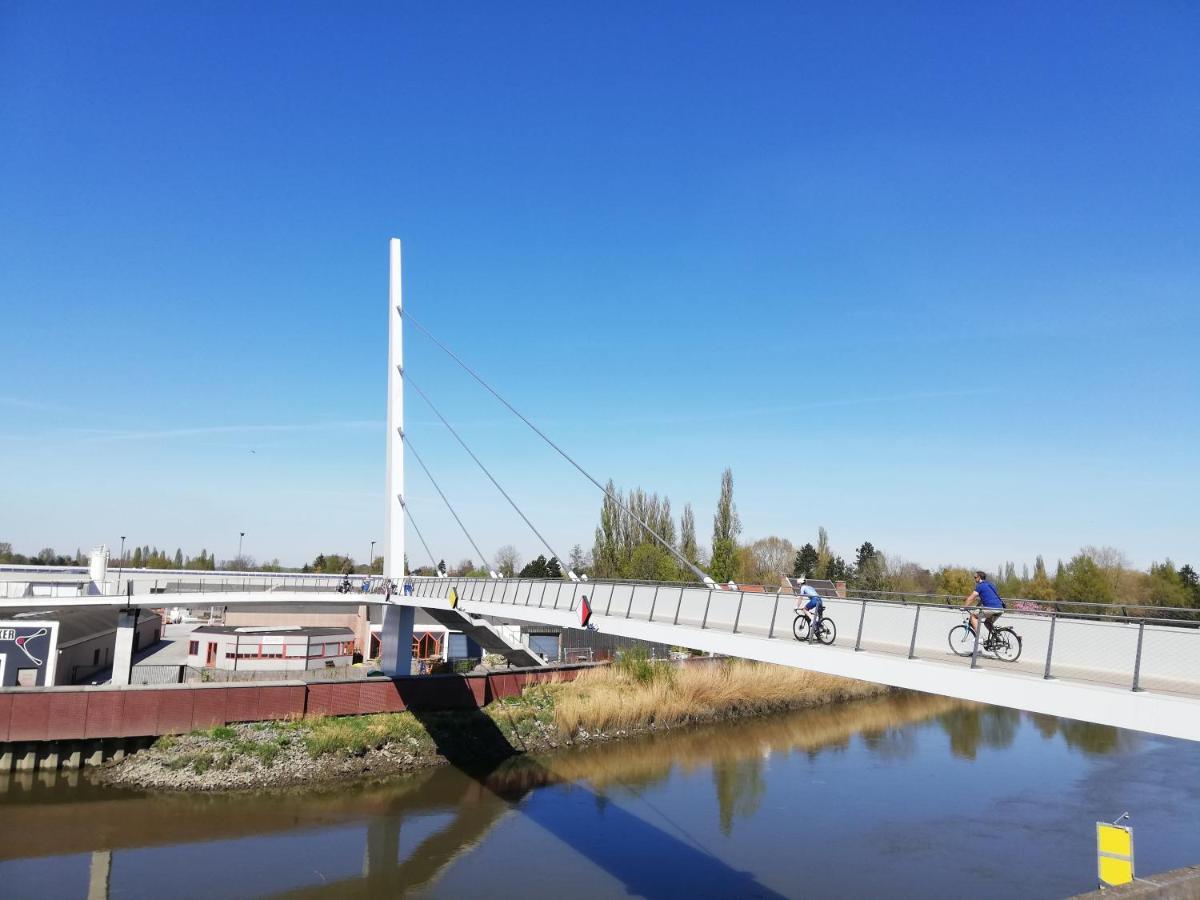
[6, 553]
[768, 559]
[806, 562]
[870, 568]
[1040, 586]
[837, 570]
[535, 569]
[1191, 581]
[507, 560]
[553, 569]
[824, 554]
[46, 556]
[651, 562]
[441, 566]
[178, 558]
[605, 551]
[687, 535]
[137, 558]
[1111, 562]
[1166, 587]
[578, 562]
[726, 528]
[1084, 581]
[955, 581]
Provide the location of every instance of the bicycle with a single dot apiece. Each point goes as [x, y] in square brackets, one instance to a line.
[825, 630]
[1003, 643]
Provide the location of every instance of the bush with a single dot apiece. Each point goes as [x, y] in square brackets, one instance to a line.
[635, 663]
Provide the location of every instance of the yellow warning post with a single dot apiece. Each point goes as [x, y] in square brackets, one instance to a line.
[1114, 854]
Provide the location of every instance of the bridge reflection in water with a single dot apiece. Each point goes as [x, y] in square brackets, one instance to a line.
[410, 830]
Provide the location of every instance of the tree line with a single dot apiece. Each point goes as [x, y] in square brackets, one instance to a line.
[624, 548]
[144, 557]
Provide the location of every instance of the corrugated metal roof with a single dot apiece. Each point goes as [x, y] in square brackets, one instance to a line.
[77, 625]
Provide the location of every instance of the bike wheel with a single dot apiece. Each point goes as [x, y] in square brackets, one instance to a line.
[962, 640]
[800, 628]
[826, 631]
[1008, 644]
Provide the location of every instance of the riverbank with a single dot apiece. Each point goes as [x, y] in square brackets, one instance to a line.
[633, 697]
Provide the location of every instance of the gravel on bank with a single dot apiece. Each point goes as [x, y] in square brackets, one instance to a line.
[260, 755]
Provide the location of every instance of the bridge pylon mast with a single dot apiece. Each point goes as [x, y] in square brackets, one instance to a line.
[395, 644]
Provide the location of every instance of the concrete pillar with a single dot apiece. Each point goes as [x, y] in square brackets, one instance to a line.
[363, 635]
[94, 753]
[25, 757]
[48, 755]
[395, 641]
[6, 758]
[122, 664]
[74, 756]
[99, 875]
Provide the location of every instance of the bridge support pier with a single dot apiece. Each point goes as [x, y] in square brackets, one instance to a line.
[395, 640]
[122, 664]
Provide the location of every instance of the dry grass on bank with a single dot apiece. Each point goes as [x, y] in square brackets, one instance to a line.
[636, 693]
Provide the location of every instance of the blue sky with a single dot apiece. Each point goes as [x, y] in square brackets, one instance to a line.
[925, 274]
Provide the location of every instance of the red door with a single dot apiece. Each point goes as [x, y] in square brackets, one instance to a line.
[211, 658]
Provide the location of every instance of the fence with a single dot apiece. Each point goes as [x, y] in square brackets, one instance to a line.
[1135, 647]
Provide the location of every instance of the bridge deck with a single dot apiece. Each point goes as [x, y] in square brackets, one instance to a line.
[1094, 664]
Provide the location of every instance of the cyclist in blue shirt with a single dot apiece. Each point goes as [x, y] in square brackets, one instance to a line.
[990, 604]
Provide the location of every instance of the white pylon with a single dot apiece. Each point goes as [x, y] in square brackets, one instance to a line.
[393, 545]
[395, 640]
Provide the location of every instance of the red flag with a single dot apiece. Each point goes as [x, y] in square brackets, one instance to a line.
[585, 611]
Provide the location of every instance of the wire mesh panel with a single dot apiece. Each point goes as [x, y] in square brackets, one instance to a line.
[722, 610]
[642, 598]
[1170, 659]
[692, 604]
[758, 609]
[1101, 651]
[887, 627]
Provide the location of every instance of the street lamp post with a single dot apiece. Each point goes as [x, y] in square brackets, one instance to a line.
[121, 564]
[371, 559]
[241, 534]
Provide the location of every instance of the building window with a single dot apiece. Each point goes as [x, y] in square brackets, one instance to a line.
[193, 648]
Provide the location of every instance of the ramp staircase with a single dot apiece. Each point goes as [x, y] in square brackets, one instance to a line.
[489, 637]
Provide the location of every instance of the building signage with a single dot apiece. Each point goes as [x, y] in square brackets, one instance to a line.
[27, 653]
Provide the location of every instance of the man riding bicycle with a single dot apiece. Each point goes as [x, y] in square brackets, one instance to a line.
[813, 608]
[988, 599]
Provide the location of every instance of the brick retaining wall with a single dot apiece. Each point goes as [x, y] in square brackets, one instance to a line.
[104, 711]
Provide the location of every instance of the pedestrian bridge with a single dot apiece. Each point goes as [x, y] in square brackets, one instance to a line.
[1141, 674]
[1137, 674]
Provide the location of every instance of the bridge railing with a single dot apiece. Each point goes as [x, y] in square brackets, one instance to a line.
[1135, 647]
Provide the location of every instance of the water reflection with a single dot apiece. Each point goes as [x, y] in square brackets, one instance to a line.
[406, 833]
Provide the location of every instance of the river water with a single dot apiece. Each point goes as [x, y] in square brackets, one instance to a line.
[902, 796]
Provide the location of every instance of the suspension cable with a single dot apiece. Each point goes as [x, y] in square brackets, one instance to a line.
[413, 522]
[408, 443]
[667, 544]
[408, 380]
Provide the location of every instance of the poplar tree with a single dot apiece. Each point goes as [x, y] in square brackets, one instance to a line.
[687, 535]
[726, 528]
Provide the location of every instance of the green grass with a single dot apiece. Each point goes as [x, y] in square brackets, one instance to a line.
[355, 735]
[635, 663]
